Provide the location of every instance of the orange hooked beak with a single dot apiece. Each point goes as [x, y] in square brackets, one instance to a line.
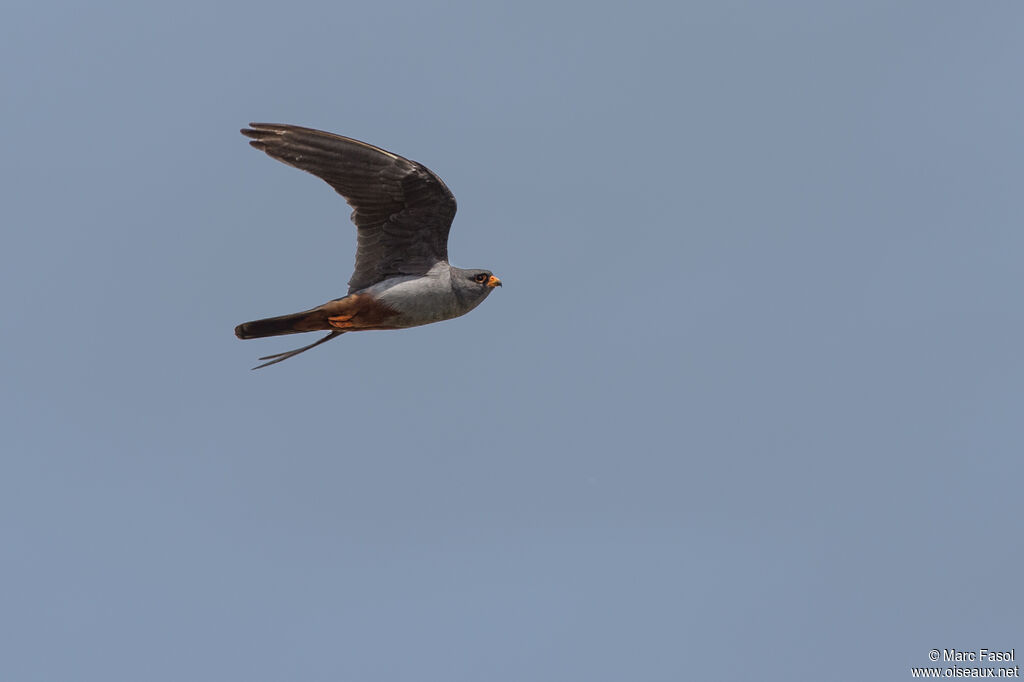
[493, 282]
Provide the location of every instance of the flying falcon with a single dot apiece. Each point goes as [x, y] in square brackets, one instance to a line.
[403, 213]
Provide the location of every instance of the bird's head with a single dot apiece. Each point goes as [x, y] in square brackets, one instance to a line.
[472, 286]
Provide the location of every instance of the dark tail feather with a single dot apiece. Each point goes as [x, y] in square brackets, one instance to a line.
[309, 321]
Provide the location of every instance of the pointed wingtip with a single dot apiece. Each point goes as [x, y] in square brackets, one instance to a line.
[280, 357]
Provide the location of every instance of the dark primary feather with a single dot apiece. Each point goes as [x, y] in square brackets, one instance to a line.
[403, 211]
[281, 357]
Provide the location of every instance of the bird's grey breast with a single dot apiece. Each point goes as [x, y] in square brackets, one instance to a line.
[421, 299]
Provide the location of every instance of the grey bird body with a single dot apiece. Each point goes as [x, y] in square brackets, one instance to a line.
[403, 213]
[444, 293]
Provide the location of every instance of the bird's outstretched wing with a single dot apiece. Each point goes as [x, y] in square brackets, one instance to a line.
[403, 211]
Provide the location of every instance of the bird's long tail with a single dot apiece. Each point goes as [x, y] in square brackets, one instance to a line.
[308, 321]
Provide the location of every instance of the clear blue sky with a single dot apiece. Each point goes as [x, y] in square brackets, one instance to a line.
[749, 405]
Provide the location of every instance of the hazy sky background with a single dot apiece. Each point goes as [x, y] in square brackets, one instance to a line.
[749, 405]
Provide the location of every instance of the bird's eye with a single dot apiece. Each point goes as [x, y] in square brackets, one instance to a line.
[481, 277]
